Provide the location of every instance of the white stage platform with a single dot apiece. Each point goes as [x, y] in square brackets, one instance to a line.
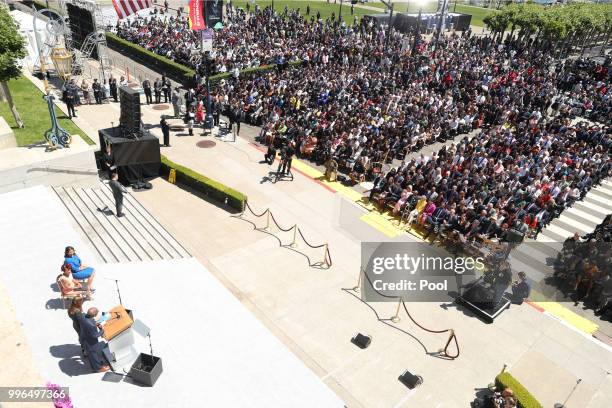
[214, 352]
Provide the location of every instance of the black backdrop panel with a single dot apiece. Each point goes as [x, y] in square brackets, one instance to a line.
[213, 12]
[81, 25]
[135, 158]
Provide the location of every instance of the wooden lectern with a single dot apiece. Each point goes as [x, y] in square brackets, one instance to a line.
[119, 321]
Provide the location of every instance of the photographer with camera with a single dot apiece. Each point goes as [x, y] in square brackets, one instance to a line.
[287, 153]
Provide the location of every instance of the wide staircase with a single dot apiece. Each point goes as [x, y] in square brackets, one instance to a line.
[537, 255]
[133, 238]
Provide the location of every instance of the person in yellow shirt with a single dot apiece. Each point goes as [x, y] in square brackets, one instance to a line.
[420, 205]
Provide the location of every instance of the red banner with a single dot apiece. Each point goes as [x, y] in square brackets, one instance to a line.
[196, 18]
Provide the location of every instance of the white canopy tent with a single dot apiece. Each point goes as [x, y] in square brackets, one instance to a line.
[26, 29]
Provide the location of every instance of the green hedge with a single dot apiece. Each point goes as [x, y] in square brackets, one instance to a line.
[249, 71]
[174, 70]
[214, 189]
[178, 72]
[523, 397]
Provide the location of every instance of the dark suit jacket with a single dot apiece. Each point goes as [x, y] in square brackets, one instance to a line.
[89, 331]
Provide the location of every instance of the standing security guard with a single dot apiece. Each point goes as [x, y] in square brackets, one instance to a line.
[118, 191]
[165, 127]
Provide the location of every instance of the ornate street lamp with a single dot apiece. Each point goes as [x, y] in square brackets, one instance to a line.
[62, 61]
[57, 137]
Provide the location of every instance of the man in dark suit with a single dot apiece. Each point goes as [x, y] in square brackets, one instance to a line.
[216, 108]
[166, 89]
[157, 88]
[146, 85]
[70, 101]
[118, 191]
[236, 114]
[379, 185]
[97, 91]
[90, 332]
[165, 127]
[112, 83]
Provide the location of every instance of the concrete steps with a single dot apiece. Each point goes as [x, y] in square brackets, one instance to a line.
[133, 238]
[536, 256]
[583, 216]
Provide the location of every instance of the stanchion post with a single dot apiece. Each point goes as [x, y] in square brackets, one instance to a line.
[325, 255]
[294, 243]
[358, 286]
[450, 337]
[396, 318]
[267, 227]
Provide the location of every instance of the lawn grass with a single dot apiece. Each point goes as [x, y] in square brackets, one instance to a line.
[478, 13]
[35, 114]
[326, 9]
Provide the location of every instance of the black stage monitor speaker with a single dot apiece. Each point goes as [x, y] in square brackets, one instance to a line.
[410, 380]
[136, 159]
[146, 369]
[81, 24]
[514, 236]
[361, 340]
[213, 12]
[129, 120]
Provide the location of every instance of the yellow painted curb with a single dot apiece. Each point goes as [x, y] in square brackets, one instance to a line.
[568, 316]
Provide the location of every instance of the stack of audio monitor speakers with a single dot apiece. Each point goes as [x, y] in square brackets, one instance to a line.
[135, 150]
[129, 121]
[81, 24]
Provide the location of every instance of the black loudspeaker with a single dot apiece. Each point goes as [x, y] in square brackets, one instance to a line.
[146, 369]
[81, 24]
[213, 12]
[361, 340]
[514, 236]
[129, 121]
[410, 380]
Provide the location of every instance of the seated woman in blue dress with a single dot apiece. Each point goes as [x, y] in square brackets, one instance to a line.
[79, 271]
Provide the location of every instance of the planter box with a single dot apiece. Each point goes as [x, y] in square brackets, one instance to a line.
[146, 369]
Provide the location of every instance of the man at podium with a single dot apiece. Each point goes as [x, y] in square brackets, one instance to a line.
[90, 332]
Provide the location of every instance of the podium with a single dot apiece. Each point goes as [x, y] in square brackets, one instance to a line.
[120, 337]
[119, 321]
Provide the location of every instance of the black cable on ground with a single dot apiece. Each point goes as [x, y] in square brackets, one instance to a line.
[451, 337]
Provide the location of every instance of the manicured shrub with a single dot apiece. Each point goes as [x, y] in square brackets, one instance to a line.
[211, 188]
[523, 397]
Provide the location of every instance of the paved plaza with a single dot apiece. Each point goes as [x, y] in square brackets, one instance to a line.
[250, 313]
[308, 310]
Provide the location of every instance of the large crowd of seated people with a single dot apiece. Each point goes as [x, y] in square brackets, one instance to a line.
[582, 268]
[501, 179]
[368, 102]
[360, 99]
[371, 102]
[248, 39]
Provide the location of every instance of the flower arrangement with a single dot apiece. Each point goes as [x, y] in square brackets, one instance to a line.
[60, 396]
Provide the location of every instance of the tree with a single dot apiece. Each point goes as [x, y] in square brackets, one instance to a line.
[12, 50]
